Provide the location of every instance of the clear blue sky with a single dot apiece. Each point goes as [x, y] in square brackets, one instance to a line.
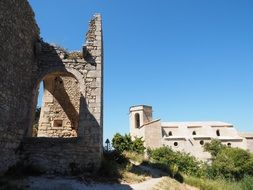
[192, 60]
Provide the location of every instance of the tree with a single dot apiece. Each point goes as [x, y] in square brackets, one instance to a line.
[228, 162]
[125, 143]
[214, 147]
[233, 163]
[172, 161]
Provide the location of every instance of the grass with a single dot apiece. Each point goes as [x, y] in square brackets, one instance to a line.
[220, 184]
[204, 184]
[133, 174]
[134, 157]
[168, 183]
[116, 167]
[130, 177]
[75, 55]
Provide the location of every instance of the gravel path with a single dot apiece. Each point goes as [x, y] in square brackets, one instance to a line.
[57, 183]
[146, 185]
[44, 183]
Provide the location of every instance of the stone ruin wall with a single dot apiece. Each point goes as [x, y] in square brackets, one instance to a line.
[60, 108]
[18, 35]
[25, 62]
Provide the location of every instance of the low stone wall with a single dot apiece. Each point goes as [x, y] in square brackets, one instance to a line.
[60, 155]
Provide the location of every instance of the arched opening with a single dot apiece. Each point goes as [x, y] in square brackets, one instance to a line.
[36, 118]
[170, 133]
[201, 142]
[59, 103]
[218, 132]
[137, 120]
[229, 144]
[176, 144]
[194, 133]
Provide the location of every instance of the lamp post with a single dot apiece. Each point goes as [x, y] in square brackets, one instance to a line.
[107, 142]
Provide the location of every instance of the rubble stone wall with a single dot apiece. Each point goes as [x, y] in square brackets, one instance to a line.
[18, 36]
[60, 110]
[25, 61]
[61, 155]
[87, 72]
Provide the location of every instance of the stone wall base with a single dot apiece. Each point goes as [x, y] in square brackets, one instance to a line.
[60, 155]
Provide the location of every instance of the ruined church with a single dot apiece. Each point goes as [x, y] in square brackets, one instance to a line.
[70, 128]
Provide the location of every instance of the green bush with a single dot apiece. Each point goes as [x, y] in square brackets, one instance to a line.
[214, 147]
[229, 163]
[247, 183]
[115, 156]
[125, 143]
[165, 158]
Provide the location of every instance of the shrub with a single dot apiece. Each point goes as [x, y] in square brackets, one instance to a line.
[116, 167]
[233, 163]
[174, 170]
[227, 162]
[115, 156]
[125, 143]
[134, 156]
[166, 158]
[214, 147]
[247, 183]
[108, 168]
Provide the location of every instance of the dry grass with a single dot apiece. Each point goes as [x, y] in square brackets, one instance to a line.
[134, 157]
[168, 183]
[133, 174]
[218, 184]
[131, 178]
[75, 55]
[203, 184]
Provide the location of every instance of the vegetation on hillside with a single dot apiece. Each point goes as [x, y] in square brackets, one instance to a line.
[231, 168]
[227, 162]
[116, 167]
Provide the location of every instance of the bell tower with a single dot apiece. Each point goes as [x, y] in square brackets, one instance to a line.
[138, 116]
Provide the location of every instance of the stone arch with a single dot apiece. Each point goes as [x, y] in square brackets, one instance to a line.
[61, 71]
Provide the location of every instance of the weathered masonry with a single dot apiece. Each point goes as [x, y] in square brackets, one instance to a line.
[71, 120]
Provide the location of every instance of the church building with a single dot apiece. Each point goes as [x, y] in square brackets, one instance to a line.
[188, 137]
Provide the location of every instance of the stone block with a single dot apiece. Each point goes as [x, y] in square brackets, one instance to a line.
[93, 74]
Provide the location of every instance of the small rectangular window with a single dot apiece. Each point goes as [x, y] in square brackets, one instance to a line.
[58, 123]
